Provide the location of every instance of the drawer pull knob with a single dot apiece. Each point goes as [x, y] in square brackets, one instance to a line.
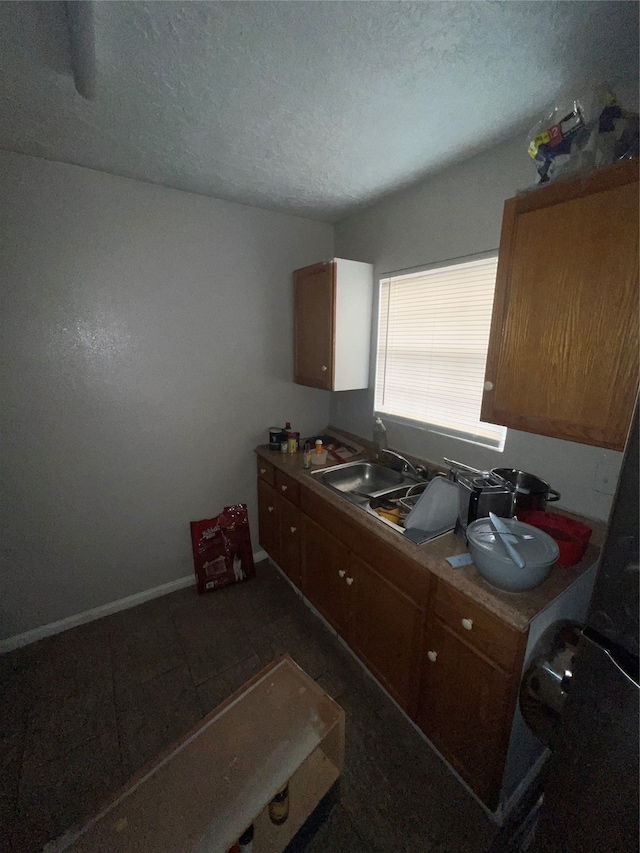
[341, 572]
[270, 509]
[284, 488]
[293, 529]
[467, 624]
[433, 656]
[324, 368]
[263, 470]
[349, 581]
[488, 386]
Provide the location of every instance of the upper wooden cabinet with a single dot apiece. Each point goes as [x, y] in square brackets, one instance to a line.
[332, 324]
[563, 350]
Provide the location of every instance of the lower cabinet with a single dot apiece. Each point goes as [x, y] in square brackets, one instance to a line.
[325, 581]
[468, 693]
[290, 539]
[386, 632]
[279, 530]
[465, 704]
[451, 665]
[269, 520]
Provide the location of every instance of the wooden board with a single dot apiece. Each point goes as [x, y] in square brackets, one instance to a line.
[203, 792]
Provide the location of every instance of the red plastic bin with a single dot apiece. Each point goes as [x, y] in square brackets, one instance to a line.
[572, 536]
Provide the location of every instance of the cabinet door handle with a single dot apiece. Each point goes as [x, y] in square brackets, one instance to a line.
[284, 488]
[263, 470]
[341, 572]
[270, 509]
[488, 386]
[349, 581]
[324, 368]
[293, 529]
[467, 624]
[433, 656]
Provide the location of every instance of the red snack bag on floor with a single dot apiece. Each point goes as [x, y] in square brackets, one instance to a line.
[222, 549]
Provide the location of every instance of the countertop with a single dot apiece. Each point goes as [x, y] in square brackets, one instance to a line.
[516, 609]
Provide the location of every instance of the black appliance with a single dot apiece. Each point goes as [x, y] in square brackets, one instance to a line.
[591, 790]
[478, 496]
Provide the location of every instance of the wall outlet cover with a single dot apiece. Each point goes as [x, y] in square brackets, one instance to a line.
[606, 477]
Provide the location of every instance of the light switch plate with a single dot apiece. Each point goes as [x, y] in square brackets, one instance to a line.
[606, 476]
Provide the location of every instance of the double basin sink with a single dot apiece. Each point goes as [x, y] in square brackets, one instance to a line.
[386, 494]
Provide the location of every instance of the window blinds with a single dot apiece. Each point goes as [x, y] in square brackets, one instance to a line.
[433, 337]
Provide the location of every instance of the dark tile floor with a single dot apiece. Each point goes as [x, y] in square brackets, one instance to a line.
[81, 711]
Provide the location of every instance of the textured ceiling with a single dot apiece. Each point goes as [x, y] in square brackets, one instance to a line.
[315, 108]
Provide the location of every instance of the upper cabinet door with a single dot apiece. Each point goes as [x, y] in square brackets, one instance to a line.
[332, 326]
[563, 351]
[314, 313]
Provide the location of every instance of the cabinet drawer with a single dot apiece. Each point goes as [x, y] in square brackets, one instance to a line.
[495, 639]
[266, 471]
[287, 487]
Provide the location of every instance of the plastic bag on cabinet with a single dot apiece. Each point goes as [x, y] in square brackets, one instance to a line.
[583, 133]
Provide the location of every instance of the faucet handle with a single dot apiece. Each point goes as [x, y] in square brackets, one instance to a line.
[405, 466]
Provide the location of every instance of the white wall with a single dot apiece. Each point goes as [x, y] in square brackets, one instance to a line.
[148, 348]
[458, 213]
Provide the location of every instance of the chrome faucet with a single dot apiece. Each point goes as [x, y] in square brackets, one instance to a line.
[406, 465]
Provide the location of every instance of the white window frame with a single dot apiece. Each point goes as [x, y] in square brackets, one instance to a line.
[447, 431]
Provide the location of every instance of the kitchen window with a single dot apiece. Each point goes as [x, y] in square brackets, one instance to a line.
[433, 336]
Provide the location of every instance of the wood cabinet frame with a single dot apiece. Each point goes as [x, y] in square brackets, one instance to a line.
[322, 326]
[333, 303]
[452, 686]
[423, 609]
[590, 408]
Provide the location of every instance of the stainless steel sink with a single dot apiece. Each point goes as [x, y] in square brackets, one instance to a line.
[365, 478]
[394, 505]
[373, 487]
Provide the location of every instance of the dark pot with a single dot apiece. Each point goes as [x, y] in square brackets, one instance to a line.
[529, 491]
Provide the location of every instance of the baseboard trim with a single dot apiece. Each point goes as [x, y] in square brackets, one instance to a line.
[19, 640]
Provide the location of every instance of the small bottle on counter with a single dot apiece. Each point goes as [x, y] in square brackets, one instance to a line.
[275, 434]
[279, 806]
[284, 436]
[307, 455]
[320, 456]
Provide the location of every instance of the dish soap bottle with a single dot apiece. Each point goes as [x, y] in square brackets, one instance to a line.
[379, 437]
